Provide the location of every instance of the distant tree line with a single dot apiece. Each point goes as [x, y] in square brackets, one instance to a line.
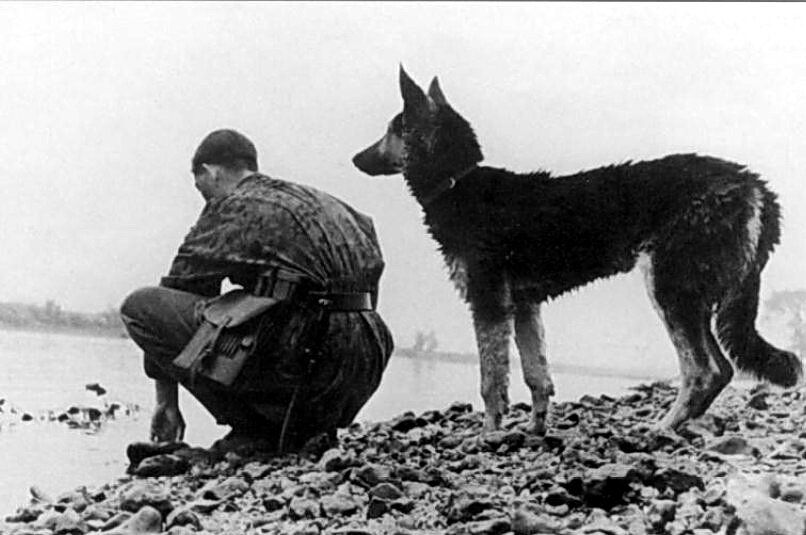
[51, 317]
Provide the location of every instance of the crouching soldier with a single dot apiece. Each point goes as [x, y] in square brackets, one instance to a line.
[300, 348]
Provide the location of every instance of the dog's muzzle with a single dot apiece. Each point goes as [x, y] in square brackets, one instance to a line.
[373, 162]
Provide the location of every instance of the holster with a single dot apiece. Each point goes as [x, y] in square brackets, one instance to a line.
[227, 337]
[233, 324]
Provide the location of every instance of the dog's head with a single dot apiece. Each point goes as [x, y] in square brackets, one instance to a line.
[427, 132]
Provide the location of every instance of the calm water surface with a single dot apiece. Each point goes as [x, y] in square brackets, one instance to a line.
[42, 372]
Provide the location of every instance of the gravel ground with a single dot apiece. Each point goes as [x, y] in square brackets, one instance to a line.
[600, 470]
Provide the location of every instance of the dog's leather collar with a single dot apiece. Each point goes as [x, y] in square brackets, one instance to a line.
[446, 185]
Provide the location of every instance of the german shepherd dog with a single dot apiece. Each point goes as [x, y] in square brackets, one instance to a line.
[702, 229]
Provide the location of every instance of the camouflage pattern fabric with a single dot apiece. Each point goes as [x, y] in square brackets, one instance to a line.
[268, 223]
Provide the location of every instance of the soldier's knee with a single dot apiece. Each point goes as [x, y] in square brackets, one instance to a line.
[137, 302]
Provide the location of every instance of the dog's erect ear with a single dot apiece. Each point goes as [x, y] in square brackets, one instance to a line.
[436, 94]
[415, 102]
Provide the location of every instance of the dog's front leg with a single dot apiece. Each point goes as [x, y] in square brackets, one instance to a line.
[488, 294]
[492, 338]
[530, 338]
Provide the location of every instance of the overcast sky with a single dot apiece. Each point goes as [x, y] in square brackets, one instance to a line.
[102, 105]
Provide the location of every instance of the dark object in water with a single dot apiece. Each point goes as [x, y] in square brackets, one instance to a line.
[95, 387]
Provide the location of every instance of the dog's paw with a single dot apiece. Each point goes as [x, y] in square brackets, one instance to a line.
[491, 423]
[536, 427]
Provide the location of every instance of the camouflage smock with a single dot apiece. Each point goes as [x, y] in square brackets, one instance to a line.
[267, 223]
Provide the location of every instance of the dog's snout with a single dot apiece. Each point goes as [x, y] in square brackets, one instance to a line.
[367, 162]
[357, 160]
[374, 160]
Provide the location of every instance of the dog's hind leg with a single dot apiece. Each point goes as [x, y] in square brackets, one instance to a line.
[704, 369]
[530, 338]
[488, 295]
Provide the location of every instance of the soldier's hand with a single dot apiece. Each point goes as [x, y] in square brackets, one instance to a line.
[167, 424]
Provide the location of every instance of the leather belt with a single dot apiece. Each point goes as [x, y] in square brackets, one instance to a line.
[344, 301]
[283, 285]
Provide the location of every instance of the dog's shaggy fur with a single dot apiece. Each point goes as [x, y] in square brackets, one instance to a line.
[702, 229]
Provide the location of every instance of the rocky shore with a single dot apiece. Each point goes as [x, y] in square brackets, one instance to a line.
[600, 470]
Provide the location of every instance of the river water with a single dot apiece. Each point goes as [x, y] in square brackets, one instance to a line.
[43, 372]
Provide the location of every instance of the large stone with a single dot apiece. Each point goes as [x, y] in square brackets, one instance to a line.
[608, 485]
[203, 506]
[793, 490]
[69, 523]
[495, 526]
[406, 422]
[733, 445]
[336, 460]
[451, 441]
[458, 408]
[679, 478]
[758, 401]
[415, 489]
[463, 508]
[146, 520]
[403, 505]
[526, 522]
[161, 465]
[223, 490]
[377, 508]
[137, 451]
[47, 519]
[559, 496]
[273, 503]
[138, 496]
[183, 517]
[116, 520]
[254, 471]
[302, 508]
[386, 491]
[760, 514]
[78, 500]
[602, 526]
[372, 474]
[336, 505]
[493, 440]
[512, 439]
[26, 514]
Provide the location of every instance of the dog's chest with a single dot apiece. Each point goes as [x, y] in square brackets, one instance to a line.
[457, 271]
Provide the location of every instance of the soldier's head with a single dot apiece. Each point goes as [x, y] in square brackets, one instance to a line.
[223, 158]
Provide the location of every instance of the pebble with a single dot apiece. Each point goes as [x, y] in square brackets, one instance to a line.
[525, 522]
[602, 470]
[139, 495]
[146, 520]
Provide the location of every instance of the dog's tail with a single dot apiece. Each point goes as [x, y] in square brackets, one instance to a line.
[736, 312]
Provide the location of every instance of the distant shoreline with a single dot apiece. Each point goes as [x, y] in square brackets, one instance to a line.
[77, 331]
[575, 369]
[401, 352]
